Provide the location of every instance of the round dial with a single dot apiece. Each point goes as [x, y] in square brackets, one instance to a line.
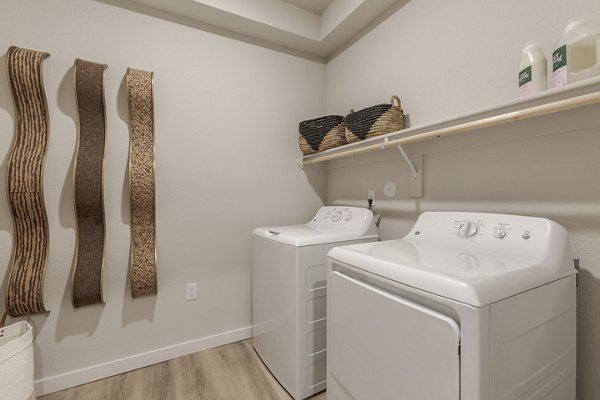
[499, 232]
[468, 230]
[336, 216]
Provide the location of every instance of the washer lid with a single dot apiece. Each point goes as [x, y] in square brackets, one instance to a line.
[478, 270]
[329, 225]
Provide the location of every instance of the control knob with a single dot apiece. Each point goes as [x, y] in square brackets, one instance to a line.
[499, 232]
[336, 216]
[468, 230]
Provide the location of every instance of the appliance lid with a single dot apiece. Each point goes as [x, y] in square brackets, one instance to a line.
[329, 225]
[481, 269]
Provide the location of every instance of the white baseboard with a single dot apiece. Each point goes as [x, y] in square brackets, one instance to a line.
[85, 375]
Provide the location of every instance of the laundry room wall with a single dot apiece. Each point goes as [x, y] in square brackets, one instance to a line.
[226, 115]
[445, 58]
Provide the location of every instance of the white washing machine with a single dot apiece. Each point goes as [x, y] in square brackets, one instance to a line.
[289, 287]
[467, 306]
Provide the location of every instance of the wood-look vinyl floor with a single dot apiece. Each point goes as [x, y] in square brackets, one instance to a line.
[231, 372]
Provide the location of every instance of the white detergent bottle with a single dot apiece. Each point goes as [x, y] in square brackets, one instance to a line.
[576, 57]
[533, 73]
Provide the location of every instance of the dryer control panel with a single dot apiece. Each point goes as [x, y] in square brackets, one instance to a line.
[497, 228]
[525, 236]
[468, 229]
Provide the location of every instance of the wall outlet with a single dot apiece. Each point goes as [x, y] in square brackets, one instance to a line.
[371, 195]
[191, 291]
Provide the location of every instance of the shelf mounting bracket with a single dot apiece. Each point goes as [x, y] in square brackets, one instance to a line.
[300, 163]
[410, 164]
[415, 184]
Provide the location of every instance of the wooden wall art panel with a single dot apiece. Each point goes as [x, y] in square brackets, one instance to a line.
[141, 183]
[88, 183]
[24, 293]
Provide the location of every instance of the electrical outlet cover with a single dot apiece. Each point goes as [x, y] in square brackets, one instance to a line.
[191, 291]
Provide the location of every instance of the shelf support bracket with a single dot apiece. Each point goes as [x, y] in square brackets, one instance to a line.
[300, 163]
[415, 184]
[410, 164]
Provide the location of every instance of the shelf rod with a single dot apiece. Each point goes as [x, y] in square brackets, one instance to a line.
[410, 164]
[526, 113]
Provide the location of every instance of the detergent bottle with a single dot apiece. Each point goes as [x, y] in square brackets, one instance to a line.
[577, 55]
[533, 74]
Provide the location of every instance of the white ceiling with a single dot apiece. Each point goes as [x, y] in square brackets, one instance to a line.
[315, 29]
[315, 6]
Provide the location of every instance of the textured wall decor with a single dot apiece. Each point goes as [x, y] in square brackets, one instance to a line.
[88, 183]
[141, 183]
[24, 293]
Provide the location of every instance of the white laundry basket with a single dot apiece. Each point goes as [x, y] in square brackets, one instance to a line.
[16, 362]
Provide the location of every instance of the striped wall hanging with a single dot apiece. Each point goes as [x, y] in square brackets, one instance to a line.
[141, 183]
[88, 183]
[24, 293]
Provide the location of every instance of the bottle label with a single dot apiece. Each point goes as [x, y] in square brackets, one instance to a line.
[559, 66]
[525, 83]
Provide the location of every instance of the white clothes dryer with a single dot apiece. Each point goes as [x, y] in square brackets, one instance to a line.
[289, 287]
[467, 306]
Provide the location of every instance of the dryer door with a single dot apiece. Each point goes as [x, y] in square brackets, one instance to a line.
[381, 346]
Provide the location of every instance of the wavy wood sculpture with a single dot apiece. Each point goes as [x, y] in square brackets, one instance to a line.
[141, 183]
[88, 183]
[24, 293]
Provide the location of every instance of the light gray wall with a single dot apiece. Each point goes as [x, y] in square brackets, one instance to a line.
[226, 143]
[445, 58]
[226, 115]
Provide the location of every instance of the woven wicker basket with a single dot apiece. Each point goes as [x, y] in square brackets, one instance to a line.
[16, 362]
[374, 121]
[322, 133]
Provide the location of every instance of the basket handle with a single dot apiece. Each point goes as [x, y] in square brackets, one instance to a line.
[394, 97]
